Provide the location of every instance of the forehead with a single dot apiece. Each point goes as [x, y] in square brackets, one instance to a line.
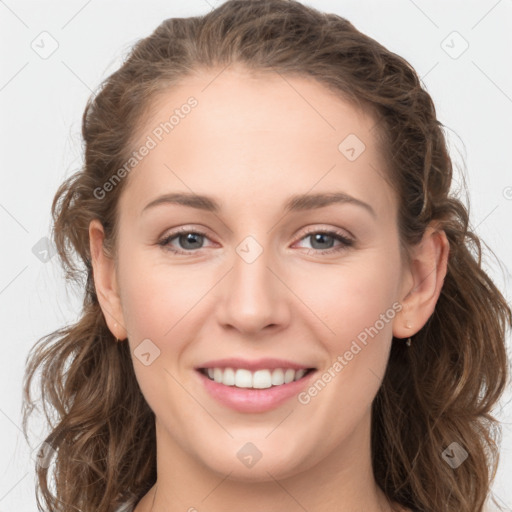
[256, 137]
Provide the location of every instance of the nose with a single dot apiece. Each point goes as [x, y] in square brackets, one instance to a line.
[254, 297]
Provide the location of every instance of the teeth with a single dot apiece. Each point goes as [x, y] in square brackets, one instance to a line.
[243, 379]
[289, 375]
[229, 377]
[260, 379]
[277, 377]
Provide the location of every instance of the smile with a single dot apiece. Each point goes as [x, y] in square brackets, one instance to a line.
[250, 386]
[259, 379]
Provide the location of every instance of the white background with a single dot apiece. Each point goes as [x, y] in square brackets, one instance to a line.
[41, 103]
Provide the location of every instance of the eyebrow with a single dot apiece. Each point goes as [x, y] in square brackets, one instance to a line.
[299, 202]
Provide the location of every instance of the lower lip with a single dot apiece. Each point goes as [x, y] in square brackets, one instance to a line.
[254, 400]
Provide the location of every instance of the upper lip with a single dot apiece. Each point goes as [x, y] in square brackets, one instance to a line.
[256, 364]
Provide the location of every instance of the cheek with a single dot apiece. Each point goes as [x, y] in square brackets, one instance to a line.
[158, 301]
[355, 297]
[156, 296]
[358, 310]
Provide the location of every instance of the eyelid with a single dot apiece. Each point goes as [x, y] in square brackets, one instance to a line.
[309, 230]
[322, 229]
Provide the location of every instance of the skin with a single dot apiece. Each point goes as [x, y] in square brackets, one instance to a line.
[251, 142]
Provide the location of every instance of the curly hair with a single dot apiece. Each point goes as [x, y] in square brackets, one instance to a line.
[442, 389]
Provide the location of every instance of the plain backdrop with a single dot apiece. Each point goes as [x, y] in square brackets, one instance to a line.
[55, 53]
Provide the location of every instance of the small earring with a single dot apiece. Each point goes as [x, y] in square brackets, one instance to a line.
[115, 325]
[408, 326]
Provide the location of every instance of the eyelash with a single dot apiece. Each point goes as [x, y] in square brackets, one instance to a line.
[347, 242]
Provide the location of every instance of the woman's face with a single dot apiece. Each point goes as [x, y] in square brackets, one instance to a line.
[267, 286]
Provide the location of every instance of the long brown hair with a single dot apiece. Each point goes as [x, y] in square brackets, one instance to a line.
[439, 391]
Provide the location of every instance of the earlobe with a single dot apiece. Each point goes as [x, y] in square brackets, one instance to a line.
[105, 281]
[429, 262]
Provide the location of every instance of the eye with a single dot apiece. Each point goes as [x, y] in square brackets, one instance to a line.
[327, 237]
[192, 240]
[188, 238]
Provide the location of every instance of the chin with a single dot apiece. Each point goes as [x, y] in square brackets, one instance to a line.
[245, 464]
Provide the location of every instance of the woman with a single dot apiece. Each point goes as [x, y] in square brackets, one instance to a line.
[248, 370]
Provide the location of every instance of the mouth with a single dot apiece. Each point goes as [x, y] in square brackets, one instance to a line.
[264, 386]
[259, 379]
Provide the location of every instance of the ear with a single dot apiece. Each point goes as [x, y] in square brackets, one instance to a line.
[427, 270]
[105, 281]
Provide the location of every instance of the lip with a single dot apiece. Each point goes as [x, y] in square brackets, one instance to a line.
[254, 400]
[256, 364]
